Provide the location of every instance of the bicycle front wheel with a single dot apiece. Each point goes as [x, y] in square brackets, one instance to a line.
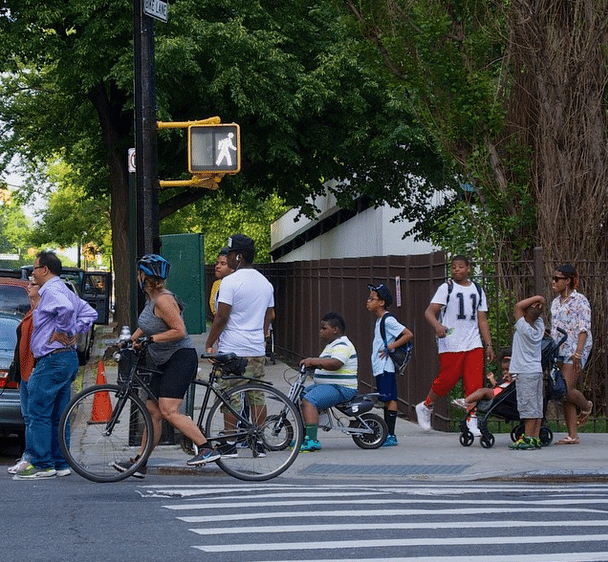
[100, 428]
[263, 439]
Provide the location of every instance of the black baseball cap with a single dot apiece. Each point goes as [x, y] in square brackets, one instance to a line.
[383, 293]
[238, 242]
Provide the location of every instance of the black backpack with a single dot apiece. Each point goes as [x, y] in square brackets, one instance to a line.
[400, 355]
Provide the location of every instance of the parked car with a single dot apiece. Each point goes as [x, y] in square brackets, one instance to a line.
[13, 295]
[11, 422]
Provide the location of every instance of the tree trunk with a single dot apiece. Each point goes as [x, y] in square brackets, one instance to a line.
[560, 68]
[111, 125]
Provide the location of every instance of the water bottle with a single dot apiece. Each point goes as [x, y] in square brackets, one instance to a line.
[125, 334]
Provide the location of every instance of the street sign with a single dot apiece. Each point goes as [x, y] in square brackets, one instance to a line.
[156, 9]
[131, 161]
[214, 148]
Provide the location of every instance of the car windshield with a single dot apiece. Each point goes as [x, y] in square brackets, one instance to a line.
[13, 299]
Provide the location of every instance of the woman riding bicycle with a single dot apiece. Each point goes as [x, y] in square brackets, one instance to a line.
[169, 350]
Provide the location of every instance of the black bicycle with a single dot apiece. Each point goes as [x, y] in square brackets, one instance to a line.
[252, 421]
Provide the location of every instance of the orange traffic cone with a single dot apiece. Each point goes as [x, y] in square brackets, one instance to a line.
[102, 406]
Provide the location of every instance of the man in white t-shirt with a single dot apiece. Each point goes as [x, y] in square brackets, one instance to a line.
[245, 309]
[245, 305]
[458, 314]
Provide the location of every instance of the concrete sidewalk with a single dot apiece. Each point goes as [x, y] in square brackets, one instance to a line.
[420, 456]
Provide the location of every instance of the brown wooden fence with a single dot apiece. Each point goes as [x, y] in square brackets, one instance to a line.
[305, 291]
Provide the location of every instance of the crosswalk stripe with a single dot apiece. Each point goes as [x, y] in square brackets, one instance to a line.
[185, 490]
[377, 543]
[387, 526]
[565, 557]
[376, 513]
[522, 503]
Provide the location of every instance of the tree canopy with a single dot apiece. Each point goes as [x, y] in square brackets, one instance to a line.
[310, 103]
[14, 228]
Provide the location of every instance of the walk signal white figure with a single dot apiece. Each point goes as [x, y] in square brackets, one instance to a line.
[224, 147]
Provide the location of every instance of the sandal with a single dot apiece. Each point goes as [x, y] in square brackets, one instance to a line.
[584, 415]
[568, 441]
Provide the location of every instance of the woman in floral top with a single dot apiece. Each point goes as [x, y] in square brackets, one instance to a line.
[571, 312]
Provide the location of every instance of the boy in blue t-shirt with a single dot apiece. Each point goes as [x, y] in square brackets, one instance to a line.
[526, 365]
[383, 369]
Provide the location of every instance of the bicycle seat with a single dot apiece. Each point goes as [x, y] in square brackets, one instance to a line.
[219, 357]
[229, 363]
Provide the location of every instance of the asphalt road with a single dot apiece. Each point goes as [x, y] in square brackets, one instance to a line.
[205, 519]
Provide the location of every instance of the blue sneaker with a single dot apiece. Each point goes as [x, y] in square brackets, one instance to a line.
[204, 456]
[391, 441]
[310, 445]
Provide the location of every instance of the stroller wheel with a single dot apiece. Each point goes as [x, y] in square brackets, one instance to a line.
[546, 436]
[487, 441]
[466, 438]
[517, 432]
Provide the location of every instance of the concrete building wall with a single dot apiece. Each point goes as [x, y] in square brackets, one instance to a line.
[368, 233]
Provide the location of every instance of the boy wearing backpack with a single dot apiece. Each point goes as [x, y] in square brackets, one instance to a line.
[383, 369]
[458, 314]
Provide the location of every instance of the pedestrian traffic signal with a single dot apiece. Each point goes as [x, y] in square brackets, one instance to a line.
[214, 148]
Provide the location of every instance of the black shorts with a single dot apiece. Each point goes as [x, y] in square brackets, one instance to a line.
[177, 375]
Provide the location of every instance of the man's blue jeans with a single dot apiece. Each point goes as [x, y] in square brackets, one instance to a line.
[49, 393]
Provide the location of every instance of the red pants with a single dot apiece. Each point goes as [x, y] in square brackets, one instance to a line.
[465, 364]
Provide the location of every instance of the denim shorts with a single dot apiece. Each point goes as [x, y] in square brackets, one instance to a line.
[324, 396]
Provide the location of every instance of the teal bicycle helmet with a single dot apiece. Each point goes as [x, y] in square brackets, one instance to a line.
[154, 266]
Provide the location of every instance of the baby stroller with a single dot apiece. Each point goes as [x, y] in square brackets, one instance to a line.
[504, 405]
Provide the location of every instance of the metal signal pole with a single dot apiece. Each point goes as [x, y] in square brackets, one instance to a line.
[146, 158]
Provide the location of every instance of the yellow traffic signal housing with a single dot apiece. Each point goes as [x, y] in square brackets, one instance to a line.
[214, 148]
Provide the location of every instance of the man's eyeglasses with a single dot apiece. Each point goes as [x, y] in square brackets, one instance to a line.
[556, 279]
[373, 299]
[39, 266]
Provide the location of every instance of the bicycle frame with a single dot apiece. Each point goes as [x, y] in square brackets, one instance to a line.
[210, 391]
[136, 379]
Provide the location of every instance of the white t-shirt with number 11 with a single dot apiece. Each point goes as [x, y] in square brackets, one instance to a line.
[460, 316]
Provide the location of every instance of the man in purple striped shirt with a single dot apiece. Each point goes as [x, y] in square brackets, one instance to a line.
[60, 314]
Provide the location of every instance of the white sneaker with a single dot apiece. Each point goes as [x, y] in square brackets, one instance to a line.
[472, 425]
[21, 463]
[424, 416]
[64, 472]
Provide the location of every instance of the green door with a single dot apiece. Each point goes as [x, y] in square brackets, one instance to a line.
[185, 253]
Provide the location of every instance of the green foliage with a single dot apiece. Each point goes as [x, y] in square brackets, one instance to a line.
[447, 59]
[14, 226]
[72, 217]
[217, 218]
[307, 95]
